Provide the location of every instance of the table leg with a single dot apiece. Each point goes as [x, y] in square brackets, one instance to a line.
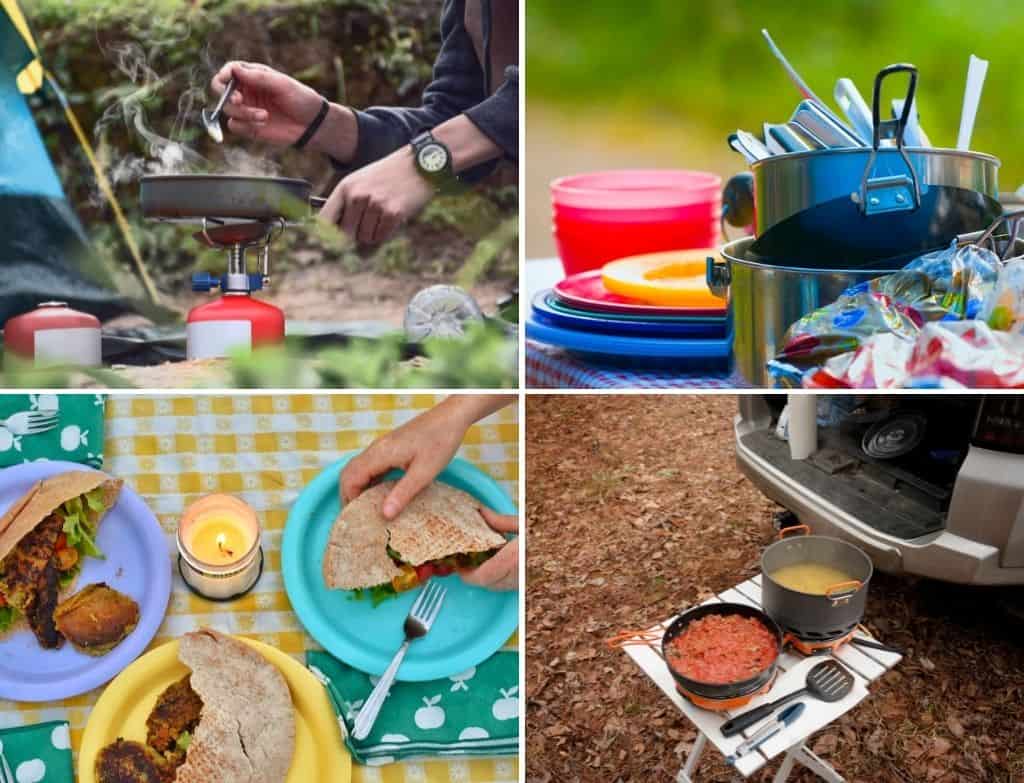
[786, 767]
[817, 766]
[686, 773]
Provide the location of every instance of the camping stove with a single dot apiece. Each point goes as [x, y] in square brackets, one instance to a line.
[236, 319]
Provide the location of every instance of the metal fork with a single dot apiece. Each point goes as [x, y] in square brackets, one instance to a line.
[421, 617]
[5, 770]
[30, 422]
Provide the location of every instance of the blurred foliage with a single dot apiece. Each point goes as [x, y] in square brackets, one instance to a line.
[485, 358]
[708, 64]
[368, 52]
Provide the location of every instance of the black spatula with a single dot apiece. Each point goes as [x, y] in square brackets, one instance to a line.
[828, 681]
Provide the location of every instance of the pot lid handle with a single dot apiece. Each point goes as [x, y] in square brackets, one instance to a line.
[805, 530]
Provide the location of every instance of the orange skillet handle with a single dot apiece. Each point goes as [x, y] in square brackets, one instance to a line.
[645, 638]
[845, 590]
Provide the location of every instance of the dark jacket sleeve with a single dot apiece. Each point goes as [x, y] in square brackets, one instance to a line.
[456, 85]
[498, 116]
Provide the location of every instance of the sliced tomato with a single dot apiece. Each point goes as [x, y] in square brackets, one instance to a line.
[425, 571]
[62, 541]
[3, 601]
[444, 570]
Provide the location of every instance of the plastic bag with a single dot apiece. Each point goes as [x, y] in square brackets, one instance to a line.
[1004, 307]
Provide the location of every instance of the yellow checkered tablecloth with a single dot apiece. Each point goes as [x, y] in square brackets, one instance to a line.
[265, 448]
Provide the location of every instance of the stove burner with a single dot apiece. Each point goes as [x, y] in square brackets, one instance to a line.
[816, 646]
[721, 705]
[895, 437]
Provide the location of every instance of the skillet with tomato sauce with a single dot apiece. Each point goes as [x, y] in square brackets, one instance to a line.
[722, 649]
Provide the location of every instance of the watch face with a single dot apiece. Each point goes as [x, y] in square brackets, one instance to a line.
[433, 158]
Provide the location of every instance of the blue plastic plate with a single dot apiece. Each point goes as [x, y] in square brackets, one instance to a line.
[630, 349]
[473, 624]
[546, 312]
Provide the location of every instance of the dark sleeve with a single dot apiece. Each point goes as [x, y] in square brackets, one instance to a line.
[456, 85]
[498, 116]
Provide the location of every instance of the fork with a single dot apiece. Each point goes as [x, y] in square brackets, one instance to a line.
[30, 422]
[5, 770]
[421, 616]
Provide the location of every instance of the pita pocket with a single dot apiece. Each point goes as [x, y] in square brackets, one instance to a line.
[439, 531]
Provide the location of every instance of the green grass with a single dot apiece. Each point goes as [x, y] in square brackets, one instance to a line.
[707, 62]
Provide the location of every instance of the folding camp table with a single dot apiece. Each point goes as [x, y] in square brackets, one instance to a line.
[865, 664]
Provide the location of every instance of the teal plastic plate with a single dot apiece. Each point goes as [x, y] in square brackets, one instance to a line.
[473, 624]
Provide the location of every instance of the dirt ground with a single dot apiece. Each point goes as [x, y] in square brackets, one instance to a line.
[636, 510]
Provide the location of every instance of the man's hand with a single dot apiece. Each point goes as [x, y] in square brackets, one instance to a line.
[371, 203]
[501, 572]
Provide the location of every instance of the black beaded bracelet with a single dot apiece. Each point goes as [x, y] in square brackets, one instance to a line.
[314, 126]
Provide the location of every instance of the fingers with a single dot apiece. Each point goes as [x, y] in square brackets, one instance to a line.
[503, 523]
[501, 572]
[357, 475]
[236, 110]
[352, 211]
[416, 477]
[387, 224]
[367, 229]
[250, 130]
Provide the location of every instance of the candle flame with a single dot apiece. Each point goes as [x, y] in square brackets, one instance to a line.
[221, 540]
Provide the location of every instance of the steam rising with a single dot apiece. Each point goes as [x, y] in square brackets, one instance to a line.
[166, 154]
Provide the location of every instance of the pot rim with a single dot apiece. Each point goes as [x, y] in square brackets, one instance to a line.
[863, 582]
[727, 690]
[728, 249]
[927, 151]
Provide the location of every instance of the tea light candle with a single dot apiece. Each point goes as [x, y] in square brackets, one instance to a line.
[219, 552]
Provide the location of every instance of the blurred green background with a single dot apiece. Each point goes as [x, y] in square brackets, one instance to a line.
[661, 83]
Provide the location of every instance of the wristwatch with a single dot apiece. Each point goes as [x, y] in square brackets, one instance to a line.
[434, 163]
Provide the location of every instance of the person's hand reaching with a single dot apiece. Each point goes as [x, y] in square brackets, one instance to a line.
[501, 572]
[422, 448]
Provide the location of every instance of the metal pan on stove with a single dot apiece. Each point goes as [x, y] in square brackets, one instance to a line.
[197, 196]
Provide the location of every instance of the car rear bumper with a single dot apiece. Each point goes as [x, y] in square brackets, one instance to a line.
[941, 555]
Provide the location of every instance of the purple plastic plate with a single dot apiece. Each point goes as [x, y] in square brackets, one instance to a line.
[137, 563]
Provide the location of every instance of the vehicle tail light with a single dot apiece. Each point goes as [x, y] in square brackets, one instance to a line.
[1000, 424]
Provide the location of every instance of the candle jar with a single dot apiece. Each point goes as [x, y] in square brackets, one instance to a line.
[220, 556]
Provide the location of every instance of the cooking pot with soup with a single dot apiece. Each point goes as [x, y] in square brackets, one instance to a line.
[814, 587]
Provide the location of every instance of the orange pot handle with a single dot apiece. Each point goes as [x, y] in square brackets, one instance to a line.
[645, 638]
[805, 530]
[853, 585]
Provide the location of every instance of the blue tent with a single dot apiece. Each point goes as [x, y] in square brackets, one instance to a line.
[43, 246]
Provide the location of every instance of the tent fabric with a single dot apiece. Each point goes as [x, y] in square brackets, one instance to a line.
[41, 238]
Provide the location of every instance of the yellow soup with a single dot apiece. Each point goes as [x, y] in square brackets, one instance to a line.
[814, 578]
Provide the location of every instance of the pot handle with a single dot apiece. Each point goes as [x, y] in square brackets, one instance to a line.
[842, 591]
[317, 202]
[805, 530]
[898, 192]
[718, 276]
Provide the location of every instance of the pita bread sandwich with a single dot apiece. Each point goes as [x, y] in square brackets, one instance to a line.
[440, 531]
[230, 720]
[44, 537]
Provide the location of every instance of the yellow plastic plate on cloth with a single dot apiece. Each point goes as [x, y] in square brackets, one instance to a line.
[128, 700]
[676, 278]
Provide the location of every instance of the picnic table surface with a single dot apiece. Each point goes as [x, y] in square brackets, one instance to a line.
[865, 664]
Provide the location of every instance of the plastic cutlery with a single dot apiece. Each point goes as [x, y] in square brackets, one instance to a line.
[976, 70]
[856, 109]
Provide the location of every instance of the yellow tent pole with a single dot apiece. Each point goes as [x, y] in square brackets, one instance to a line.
[108, 192]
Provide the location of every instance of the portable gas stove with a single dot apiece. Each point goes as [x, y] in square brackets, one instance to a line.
[236, 319]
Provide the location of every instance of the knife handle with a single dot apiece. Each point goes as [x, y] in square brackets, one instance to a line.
[747, 719]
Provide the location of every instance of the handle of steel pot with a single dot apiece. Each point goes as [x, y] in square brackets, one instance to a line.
[317, 202]
[898, 193]
[718, 276]
[805, 530]
[749, 718]
[842, 591]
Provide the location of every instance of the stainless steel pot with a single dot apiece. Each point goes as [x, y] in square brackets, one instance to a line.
[862, 204]
[809, 617]
[765, 300]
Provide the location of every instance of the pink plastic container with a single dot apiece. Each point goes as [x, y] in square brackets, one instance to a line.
[604, 215]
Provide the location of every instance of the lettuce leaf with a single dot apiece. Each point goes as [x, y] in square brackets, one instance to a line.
[77, 525]
[67, 577]
[184, 740]
[8, 614]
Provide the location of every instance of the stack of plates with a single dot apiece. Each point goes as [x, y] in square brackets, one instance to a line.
[579, 314]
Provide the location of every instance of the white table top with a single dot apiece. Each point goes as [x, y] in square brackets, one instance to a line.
[537, 274]
[865, 664]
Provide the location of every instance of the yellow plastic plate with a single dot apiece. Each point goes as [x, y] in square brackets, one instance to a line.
[124, 706]
[676, 278]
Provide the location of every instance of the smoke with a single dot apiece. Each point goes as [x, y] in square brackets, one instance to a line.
[170, 154]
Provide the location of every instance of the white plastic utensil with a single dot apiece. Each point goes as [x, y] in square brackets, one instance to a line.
[913, 134]
[976, 71]
[801, 85]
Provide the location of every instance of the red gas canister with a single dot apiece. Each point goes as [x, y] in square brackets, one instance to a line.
[233, 321]
[53, 334]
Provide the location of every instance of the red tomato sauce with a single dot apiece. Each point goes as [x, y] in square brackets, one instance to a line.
[720, 649]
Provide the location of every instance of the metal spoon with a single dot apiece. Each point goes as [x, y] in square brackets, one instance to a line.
[211, 119]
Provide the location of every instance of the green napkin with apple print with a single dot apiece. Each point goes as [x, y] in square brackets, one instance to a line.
[40, 753]
[78, 436]
[473, 713]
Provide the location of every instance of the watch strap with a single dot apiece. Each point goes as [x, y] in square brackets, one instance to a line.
[445, 181]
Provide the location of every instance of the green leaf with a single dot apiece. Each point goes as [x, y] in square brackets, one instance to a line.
[184, 740]
[8, 614]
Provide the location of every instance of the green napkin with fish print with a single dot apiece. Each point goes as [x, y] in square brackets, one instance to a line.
[473, 713]
[40, 753]
[77, 436]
